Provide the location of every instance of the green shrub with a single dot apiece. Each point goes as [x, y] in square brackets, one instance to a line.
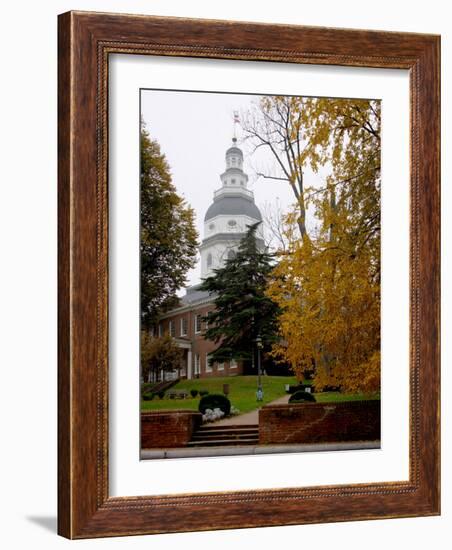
[161, 394]
[215, 401]
[203, 392]
[298, 387]
[193, 393]
[148, 396]
[302, 397]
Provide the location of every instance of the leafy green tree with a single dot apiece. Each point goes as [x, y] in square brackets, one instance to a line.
[168, 234]
[242, 311]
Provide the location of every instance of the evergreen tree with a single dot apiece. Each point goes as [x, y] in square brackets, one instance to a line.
[168, 233]
[242, 312]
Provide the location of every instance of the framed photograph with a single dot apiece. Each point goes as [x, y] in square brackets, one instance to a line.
[248, 275]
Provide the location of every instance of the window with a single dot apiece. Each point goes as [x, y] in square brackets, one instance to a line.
[208, 320]
[172, 328]
[232, 223]
[208, 367]
[220, 366]
[233, 364]
[233, 181]
[160, 329]
[183, 326]
[197, 364]
[231, 254]
[197, 324]
[233, 161]
[152, 331]
[211, 227]
[209, 259]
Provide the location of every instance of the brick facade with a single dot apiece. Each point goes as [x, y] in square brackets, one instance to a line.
[186, 326]
[168, 429]
[319, 422]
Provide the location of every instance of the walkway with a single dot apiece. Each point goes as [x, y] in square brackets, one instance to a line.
[251, 417]
[363, 446]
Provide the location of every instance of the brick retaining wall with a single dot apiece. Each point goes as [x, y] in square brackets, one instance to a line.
[168, 429]
[319, 422]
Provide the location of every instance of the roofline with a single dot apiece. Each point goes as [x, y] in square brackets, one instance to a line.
[187, 307]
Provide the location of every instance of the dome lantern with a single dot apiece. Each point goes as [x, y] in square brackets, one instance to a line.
[232, 211]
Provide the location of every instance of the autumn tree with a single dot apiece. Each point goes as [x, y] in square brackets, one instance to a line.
[242, 311]
[168, 234]
[276, 124]
[158, 355]
[346, 134]
[329, 295]
[275, 222]
[328, 286]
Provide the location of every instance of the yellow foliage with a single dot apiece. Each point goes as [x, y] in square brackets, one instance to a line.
[328, 284]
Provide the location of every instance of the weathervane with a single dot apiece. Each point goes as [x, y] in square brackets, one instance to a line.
[236, 121]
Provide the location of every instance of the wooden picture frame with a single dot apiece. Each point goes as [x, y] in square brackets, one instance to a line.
[86, 40]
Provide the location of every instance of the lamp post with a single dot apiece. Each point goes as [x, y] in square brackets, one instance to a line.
[260, 392]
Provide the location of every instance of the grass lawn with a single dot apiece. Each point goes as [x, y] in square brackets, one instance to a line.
[242, 393]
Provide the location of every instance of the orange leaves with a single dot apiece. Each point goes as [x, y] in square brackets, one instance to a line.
[328, 284]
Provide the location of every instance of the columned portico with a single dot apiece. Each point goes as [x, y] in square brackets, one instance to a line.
[189, 365]
[186, 369]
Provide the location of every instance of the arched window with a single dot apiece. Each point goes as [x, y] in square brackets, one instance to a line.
[231, 254]
[209, 259]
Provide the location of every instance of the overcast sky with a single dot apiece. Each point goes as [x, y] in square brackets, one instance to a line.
[194, 129]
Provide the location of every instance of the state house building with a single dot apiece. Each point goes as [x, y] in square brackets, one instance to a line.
[225, 224]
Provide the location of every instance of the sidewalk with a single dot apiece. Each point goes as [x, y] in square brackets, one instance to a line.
[250, 417]
[363, 446]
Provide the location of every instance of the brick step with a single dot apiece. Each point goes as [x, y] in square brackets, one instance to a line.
[218, 436]
[222, 442]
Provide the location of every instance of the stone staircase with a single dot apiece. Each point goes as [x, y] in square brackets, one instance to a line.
[221, 436]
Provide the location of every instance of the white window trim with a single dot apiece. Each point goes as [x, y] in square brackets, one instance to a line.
[208, 367]
[197, 365]
[160, 329]
[196, 328]
[182, 331]
[172, 328]
[220, 366]
[233, 364]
